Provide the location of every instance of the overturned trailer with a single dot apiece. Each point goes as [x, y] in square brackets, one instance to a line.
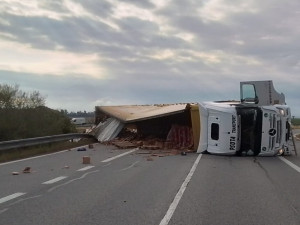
[170, 126]
[257, 124]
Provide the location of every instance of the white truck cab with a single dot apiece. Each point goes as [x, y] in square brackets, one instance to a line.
[240, 129]
[257, 125]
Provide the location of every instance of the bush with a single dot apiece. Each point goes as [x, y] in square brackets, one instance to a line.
[33, 122]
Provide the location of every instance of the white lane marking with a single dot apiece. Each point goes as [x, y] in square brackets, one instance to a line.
[10, 197]
[132, 165]
[54, 180]
[86, 168]
[118, 156]
[295, 167]
[179, 195]
[40, 156]
[70, 181]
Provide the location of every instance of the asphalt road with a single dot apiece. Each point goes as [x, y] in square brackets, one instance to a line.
[134, 189]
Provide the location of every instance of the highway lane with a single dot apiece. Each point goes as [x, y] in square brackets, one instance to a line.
[48, 167]
[242, 190]
[136, 190]
[132, 190]
[248, 190]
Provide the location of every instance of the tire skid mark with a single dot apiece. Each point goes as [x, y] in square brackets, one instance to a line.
[278, 191]
[108, 164]
[132, 165]
[3, 210]
[19, 201]
[70, 181]
[24, 199]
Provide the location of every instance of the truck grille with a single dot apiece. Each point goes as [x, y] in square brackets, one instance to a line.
[274, 141]
[271, 143]
[278, 133]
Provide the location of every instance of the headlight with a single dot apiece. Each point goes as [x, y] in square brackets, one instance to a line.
[281, 112]
[281, 151]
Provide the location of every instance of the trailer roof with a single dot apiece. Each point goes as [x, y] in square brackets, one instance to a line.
[134, 113]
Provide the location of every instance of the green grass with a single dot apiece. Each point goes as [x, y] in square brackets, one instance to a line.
[296, 121]
[21, 153]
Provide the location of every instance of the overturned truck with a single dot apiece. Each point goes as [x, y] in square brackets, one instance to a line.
[257, 124]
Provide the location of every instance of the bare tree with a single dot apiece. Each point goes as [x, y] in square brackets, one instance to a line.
[13, 97]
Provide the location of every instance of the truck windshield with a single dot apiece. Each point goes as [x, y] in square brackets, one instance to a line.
[251, 128]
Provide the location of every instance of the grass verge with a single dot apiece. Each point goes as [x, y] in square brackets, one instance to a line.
[21, 153]
[296, 121]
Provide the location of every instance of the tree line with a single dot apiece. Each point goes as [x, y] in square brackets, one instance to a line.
[24, 115]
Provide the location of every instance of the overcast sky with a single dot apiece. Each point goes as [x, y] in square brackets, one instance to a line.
[83, 53]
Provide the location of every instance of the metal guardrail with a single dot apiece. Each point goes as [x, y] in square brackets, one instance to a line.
[5, 145]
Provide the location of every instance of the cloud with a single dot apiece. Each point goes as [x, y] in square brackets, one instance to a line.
[39, 62]
[151, 51]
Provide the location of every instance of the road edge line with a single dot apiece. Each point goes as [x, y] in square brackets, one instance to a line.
[295, 167]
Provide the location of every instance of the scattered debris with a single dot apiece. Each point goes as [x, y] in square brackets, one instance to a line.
[124, 144]
[66, 167]
[159, 155]
[86, 160]
[144, 152]
[27, 170]
[149, 158]
[15, 173]
[183, 153]
[153, 147]
[81, 149]
[91, 146]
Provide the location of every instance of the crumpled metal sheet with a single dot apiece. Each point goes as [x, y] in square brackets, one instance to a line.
[108, 130]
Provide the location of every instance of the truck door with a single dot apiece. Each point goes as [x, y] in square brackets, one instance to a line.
[260, 93]
[214, 132]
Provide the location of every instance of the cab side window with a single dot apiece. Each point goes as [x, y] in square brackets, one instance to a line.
[215, 131]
